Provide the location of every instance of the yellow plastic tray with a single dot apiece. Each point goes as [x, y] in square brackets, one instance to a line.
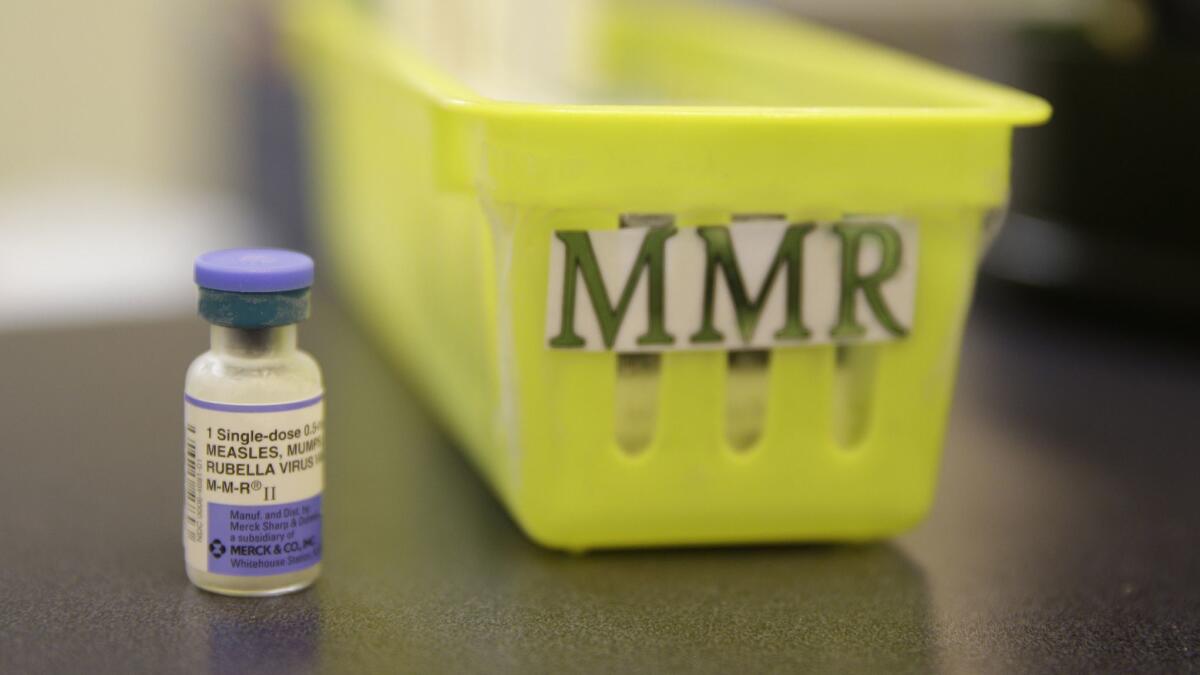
[439, 205]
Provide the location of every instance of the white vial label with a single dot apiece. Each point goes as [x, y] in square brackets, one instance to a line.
[253, 476]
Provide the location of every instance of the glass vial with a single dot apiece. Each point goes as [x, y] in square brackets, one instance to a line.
[253, 429]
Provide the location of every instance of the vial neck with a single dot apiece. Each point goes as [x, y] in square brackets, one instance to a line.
[253, 342]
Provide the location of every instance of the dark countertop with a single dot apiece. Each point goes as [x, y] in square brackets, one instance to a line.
[1064, 537]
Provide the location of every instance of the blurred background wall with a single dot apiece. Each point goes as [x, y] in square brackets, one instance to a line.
[136, 92]
[122, 152]
[134, 133]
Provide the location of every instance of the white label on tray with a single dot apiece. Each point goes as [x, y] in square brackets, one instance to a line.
[758, 283]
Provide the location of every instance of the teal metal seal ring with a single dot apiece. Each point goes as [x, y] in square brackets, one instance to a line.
[254, 310]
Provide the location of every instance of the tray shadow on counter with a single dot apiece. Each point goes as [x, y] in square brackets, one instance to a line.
[424, 565]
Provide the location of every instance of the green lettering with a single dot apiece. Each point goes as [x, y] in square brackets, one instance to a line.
[853, 282]
[721, 256]
[581, 258]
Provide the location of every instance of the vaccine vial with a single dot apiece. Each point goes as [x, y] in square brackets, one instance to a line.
[253, 429]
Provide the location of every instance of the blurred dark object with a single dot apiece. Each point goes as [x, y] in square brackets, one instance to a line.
[1104, 190]
[276, 155]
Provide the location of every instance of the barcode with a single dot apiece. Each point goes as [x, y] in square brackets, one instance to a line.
[191, 507]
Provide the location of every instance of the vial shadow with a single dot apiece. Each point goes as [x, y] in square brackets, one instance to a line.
[253, 635]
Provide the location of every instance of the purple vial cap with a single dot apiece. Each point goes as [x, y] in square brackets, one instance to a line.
[254, 270]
